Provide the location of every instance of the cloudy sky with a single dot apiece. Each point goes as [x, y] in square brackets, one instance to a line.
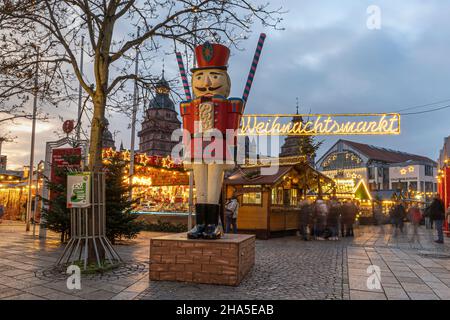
[331, 61]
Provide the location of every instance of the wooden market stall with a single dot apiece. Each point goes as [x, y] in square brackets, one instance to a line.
[160, 187]
[13, 195]
[269, 196]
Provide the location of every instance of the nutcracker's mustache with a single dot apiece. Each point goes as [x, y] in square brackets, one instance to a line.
[208, 89]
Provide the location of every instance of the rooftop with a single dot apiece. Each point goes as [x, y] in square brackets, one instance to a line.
[384, 154]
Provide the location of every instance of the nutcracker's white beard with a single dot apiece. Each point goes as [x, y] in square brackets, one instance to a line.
[208, 181]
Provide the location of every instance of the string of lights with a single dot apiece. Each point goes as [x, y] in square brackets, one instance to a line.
[425, 111]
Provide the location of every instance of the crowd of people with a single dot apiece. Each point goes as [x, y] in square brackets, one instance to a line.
[330, 219]
[434, 213]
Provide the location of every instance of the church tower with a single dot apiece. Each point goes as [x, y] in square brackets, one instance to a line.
[295, 146]
[160, 120]
[107, 137]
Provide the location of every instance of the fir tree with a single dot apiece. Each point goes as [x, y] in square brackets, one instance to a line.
[120, 222]
[55, 211]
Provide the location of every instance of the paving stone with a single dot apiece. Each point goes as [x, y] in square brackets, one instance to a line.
[395, 293]
[62, 296]
[24, 296]
[286, 268]
[422, 296]
[40, 291]
[366, 295]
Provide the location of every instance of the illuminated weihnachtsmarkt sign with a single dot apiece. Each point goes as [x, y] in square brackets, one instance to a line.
[320, 124]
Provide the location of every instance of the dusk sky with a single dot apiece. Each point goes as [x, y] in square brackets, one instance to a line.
[331, 61]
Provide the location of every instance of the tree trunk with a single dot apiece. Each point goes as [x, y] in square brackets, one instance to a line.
[95, 146]
[95, 165]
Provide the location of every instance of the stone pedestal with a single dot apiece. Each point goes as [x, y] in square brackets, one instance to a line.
[225, 261]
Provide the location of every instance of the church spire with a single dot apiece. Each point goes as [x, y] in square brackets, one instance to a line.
[297, 105]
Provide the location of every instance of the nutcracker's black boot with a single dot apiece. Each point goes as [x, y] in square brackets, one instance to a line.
[213, 230]
[197, 231]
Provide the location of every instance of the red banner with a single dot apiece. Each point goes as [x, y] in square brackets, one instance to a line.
[61, 159]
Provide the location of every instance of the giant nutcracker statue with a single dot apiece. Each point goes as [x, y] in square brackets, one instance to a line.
[211, 114]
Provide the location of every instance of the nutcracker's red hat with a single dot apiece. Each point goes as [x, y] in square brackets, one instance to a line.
[211, 56]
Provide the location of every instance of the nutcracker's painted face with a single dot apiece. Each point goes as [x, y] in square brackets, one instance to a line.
[211, 82]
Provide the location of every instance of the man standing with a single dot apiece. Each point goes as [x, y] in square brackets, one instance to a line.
[437, 214]
[206, 121]
[2, 212]
[231, 214]
[349, 212]
[306, 213]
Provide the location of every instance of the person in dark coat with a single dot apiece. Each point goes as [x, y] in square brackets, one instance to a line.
[320, 221]
[333, 219]
[437, 214]
[348, 212]
[2, 212]
[398, 214]
[306, 216]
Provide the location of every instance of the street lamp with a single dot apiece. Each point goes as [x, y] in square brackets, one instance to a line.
[40, 168]
[33, 136]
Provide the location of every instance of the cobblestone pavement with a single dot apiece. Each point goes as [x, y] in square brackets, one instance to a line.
[286, 268]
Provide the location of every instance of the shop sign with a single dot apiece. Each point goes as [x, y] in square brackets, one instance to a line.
[320, 124]
[78, 190]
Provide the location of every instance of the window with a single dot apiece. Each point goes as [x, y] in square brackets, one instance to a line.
[371, 173]
[294, 197]
[429, 171]
[252, 198]
[277, 196]
[413, 185]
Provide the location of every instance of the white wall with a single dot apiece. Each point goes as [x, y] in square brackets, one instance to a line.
[410, 173]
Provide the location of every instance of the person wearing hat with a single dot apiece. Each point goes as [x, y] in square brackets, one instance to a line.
[210, 122]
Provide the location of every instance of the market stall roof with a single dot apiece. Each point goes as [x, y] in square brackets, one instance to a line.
[385, 195]
[362, 192]
[252, 175]
[17, 174]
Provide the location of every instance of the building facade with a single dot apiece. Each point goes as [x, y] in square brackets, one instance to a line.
[107, 137]
[160, 120]
[349, 162]
[444, 174]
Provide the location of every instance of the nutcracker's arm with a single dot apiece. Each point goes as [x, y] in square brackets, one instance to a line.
[251, 74]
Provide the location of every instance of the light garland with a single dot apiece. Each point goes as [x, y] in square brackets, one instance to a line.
[323, 125]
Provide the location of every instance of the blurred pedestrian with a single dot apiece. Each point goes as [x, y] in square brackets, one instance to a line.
[321, 212]
[306, 216]
[334, 213]
[231, 214]
[2, 212]
[398, 213]
[437, 214]
[379, 217]
[426, 214]
[349, 212]
[415, 217]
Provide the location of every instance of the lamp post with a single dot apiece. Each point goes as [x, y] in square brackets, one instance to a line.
[39, 168]
[80, 92]
[191, 197]
[133, 120]
[33, 136]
